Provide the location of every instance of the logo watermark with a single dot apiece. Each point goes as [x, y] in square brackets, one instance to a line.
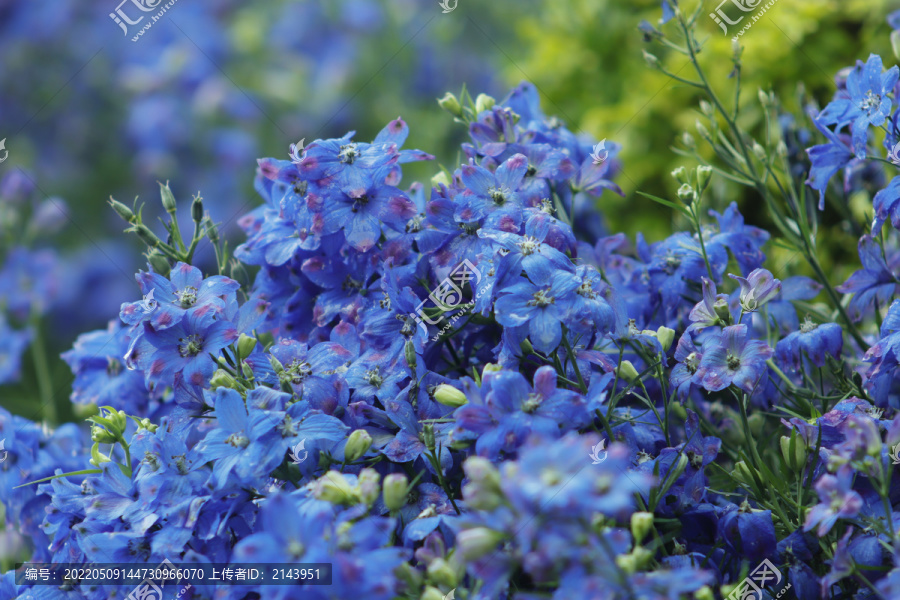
[745, 6]
[600, 153]
[895, 453]
[448, 296]
[451, 595]
[596, 450]
[295, 452]
[5, 151]
[124, 20]
[5, 453]
[150, 590]
[446, 5]
[752, 585]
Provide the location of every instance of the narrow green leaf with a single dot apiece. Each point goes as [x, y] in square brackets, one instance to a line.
[668, 203]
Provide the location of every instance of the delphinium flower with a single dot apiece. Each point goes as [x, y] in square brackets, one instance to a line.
[757, 289]
[101, 377]
[711, 310]
[884, 357]
[875, 283]
[837, 500]
[812, 342]
[512, 410]
[865, 102]
[827, 159]
[732, 358]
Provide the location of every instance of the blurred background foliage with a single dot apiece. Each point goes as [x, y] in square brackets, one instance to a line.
[213, 85]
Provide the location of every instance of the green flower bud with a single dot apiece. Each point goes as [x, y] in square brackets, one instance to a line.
[212, 231]
[440, 178]
[682, 176]
[706, 108]
[369, 486]
[451, 104]
[477, 542]
[448, 395]
[221, 378]
[432, 593]
[704, 593]
[688, 140]
[634, 560]
[247, 370]
[702, 130]
[442, 573]
[759, 151]
[168, 199]
[97, 458]
[159, 263]
[722, 310]
[763, 97]
[484, 102]
[686, 193]
[197, 209]
[741, 472]
[651, 60]
[394, 491]
[358, 444]
[490, 368]
[333, 488]
[482, 491]
[245, 345]
[122, 210]
[704, 174]
[895, 43]
[148, 425]
[428, 437]
[794, 451]
[627, 371]
[665, 336]
[410, 352]
[146, 236]
[641, 523]
[102, 436]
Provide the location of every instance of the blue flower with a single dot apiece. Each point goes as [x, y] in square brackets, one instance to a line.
[874, 283]
[757, 288]
[864, 103]
[183, 350]
[837, 500]
[812, 342]
[731, 358]
[12, 345]
[493, 197]
[887, 206]
[539, 308]
[827, 159]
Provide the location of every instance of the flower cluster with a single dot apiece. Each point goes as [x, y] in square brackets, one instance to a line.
[475, 389]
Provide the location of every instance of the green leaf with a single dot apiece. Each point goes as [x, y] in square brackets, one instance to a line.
[668, 203]
[85, 472]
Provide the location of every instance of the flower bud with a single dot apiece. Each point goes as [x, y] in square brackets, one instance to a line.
[895, 43]
[333, 488]
[410, 353]
[794, 451]
[97, 458]
[147, 236]
[742, 473]
[212, 231]
[627, 371]
[358, 444]
[759, 151]
[159, 263]
[688, 140]
[450, 103]
[641, 523]
[704, 593]
[682, 176]
[432, 593]
[122, 210]
[148, 425]
[245, 345]
[706, 108]
[702, 130]
[484, 102]
[428, 437]
[763, 98]
[197, 209]
[704, 173]
[476, 542]
[651, 60]
[441, 572]
[634, 560]
[440, 179]
[482, 491]
[168, 199]
[369, 486]
[449, 396]
[394, 491]
[722, 310]
[221, 378]
[665, 336]
[686, 193]
[102, 436]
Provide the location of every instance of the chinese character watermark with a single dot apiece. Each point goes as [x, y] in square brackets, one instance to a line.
[752, 585]
[122, 18]
[745, 6]
[447, 297]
